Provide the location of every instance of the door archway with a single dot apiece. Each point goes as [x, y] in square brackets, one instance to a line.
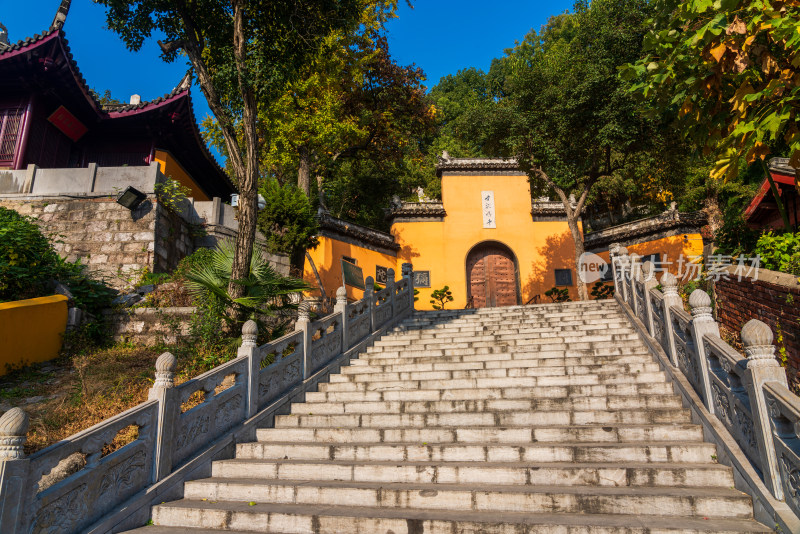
[492, 275]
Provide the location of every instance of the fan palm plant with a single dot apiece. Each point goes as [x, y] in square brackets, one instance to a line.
[267, 293]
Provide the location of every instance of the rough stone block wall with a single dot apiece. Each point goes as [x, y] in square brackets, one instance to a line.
[149, 326]
[774, 299]
[174, 240]
[103, 234]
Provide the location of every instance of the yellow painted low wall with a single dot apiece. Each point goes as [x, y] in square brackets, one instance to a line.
[31, 330]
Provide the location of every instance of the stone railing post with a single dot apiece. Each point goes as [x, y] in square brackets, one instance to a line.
[633, 278]
[341, 307]
[249, 349]
[369, 291]
[169, 410]
[669, 287]
[762, 367]
[703, 324]
[407, 270]
[649, 282]
[621, 274]
[13, 468]
[613, 254]
[390, 287]
[304, 324]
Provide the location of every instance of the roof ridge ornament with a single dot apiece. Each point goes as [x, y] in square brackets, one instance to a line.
[61, 15]
[3, 36]
[184, 84]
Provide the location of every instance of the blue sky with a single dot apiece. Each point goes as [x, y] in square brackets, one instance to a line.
[441, 37]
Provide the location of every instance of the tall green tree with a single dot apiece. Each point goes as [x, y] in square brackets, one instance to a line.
[727, 72]
[243, 54]
[566, 115]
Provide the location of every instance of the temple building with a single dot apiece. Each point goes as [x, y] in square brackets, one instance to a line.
[51, 119]
[763, 212]
[488, 240]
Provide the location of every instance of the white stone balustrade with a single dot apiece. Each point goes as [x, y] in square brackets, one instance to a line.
[748, 394]
[178, 434]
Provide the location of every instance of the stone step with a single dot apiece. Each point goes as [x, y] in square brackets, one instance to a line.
[588, 317]
[500, 419]
[501, 382]
[490, 405]
[209, 517]
[495, 353]
[507, 330]
[629, 474]
[478, 370]
[679, 502]
[545, 434]
[501, 347]
[655, 452]
[500, 359]
[530, 393]
[464, 342]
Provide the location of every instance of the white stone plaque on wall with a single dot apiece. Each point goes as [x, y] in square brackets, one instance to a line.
[487, 207]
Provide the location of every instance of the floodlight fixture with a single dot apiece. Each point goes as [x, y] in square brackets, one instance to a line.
[131, 198]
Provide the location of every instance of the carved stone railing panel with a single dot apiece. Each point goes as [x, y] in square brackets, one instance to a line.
[358, 321]
[729, 395]
[326, 341]
[683, 338]
[784, 412]
[104, 482]
[659, 318]
[381, 308]
[402, 300]
[216, 414]
[639, 295]
[281, 367]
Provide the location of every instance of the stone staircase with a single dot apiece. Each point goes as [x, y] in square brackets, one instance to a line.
[547, 418]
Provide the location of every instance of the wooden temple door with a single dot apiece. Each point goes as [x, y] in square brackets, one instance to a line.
[492, 277]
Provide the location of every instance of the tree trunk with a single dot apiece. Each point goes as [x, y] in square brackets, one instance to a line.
[573, 215]
[248, 183]
[304, 171]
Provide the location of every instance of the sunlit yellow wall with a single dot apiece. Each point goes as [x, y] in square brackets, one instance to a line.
[442, 247]
[673, 247]
[328, 256]
[31, 330]
[172, 169]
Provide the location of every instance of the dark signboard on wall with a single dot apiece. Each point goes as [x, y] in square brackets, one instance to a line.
[381, 275]
[352, 275]
[422, 279]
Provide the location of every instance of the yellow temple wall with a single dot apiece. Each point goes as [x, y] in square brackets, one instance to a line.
[442, 247]
[171, 168]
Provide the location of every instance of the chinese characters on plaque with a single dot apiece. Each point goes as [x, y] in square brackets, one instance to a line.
[422, 279]
[381, 275]
[487, 207]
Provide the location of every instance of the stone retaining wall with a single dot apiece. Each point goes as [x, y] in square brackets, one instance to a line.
[773, 298]
[150, 326]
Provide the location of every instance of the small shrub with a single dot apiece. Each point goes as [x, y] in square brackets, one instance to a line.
[780, 252]
[171, 194]
[601, 290]
[558, 294]
[441, 297]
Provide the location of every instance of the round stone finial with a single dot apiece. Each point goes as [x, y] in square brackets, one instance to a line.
[14, 423]
[304, 310]
[756, 333]
[13, 427]
[250, 328]
[249, 333]
[166, 363]
[165, 371]
[407, 269]
[669, 280]
[699, 299]
[623, 251]
[341, 293]
[757, 341]
[369, 284]
[613, 249]
[648, 270]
